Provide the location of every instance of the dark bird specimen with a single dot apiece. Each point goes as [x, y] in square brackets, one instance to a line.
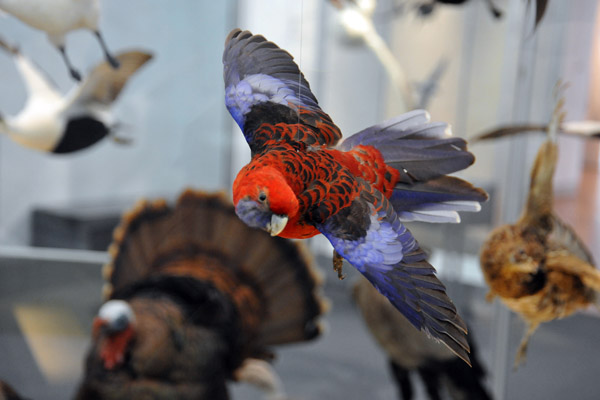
[427, 7]
[194, 294]
[301, 182]
[408, 351]
[51, 122]
[8, 393]
[538, 266]
[59, 17]
[540, 10]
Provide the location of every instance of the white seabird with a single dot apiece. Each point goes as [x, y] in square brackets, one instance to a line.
[51, 122]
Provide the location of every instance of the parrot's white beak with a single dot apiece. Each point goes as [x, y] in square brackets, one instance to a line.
[278, 223]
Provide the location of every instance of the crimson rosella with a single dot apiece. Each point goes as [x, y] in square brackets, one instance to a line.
[302, 182]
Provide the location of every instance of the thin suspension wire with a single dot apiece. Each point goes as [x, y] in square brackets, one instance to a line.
[300, 64]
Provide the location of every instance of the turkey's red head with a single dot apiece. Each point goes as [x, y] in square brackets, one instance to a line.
[113, 329]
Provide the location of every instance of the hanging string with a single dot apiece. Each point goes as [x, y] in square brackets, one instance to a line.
[300, 65]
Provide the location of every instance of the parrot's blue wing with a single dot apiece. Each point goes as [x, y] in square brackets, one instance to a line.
[263, 85]
[371, 237]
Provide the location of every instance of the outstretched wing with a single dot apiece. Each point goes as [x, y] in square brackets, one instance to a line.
[371, 237]
[563, 236]
[104, 84]
[263, 85]
[39, 85]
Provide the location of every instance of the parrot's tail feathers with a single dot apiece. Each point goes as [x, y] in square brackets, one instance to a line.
[437, 200]
[402, 124]
[422, 160]
[270, 280]
[418, 149]
[416, 292]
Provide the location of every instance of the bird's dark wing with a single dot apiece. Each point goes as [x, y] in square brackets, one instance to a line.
[370, 236]
[564, 236]
[263, 85]
[104, 83]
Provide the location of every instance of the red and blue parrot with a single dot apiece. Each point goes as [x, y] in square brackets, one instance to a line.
[303, 181]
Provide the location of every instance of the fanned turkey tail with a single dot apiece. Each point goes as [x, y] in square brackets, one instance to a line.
[269, 280]
[423, 153]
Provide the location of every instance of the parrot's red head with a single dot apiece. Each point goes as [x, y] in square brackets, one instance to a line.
[113, 328]
[264, 199]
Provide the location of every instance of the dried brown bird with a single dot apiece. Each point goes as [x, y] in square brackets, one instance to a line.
[538, 266]
[408, 350]
[195, 296]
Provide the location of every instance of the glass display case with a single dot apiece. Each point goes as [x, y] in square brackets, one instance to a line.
[464, 65]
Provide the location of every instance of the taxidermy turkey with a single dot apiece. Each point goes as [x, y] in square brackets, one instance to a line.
[193, 295]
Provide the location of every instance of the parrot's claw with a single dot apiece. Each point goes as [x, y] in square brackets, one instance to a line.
[338, 263]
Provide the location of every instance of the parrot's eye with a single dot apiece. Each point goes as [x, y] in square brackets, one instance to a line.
[262, 197]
